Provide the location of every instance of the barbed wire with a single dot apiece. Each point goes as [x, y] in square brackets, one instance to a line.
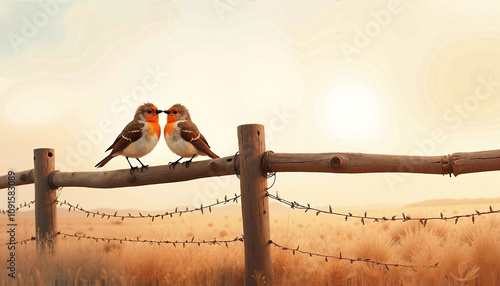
[151, 242]
[177, 210]
[29, 204]
[215, 241]
[271, 175]
[24, 205]
[25, 241]
[223, 242]
[292, 204]
[351, 260]
[404, 217]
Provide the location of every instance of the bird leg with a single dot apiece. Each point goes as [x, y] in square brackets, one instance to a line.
[132, 169]
[188, 161]
[172, 164]
[143, 166]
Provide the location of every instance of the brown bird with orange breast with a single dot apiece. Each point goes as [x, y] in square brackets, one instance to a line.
[138, 138]
[183, 137]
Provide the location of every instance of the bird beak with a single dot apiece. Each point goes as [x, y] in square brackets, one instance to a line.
[167, 111]
[158, 111]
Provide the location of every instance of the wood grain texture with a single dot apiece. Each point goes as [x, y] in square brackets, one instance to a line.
[254, 205]
[456, 164]
[22, 178]
[152, 175]
[354, 163]
[473, 162]
[45, 199]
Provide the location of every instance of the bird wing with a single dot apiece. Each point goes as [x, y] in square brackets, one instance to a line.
[191, 134]
[202, 144]
[131, 133]
[204, 140]
[189, 131]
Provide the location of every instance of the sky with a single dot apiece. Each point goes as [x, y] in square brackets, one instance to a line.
[382, 77]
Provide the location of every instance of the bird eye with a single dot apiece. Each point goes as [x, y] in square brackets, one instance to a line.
[176, 111]
[149, 111]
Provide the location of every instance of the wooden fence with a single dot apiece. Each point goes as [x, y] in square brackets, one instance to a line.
[252, 163]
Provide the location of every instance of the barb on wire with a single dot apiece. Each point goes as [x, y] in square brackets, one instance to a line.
[158, 242]
[59, 192]
[351, 260]
[363, 218]
[177, 210]
[24, 205]
[25, 241]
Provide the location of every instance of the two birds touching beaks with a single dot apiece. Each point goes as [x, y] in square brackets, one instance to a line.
[142, 134]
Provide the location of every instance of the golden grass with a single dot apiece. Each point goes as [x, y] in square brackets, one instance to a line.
[468, 254]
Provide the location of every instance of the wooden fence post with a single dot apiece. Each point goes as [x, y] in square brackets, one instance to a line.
[45, 199]
[254, 205]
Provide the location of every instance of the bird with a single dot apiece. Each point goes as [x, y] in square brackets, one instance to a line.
[138, 138]
[183, 137]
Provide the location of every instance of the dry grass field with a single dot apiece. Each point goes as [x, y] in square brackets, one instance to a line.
[467, 253]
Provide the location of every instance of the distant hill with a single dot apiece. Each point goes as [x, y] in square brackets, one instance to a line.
[449, 202]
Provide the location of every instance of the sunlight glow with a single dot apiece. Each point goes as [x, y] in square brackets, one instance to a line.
[31, 111]
[350, 112]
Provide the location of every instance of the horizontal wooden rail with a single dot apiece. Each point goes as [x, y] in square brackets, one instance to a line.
[473, 162]
[22, 178]
[352, 163]
[123, 178]
[456, 164]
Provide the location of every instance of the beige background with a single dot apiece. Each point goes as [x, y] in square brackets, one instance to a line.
[414, 77]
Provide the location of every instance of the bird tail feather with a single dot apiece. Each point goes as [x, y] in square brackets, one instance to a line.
[212, 155]
[104, 161]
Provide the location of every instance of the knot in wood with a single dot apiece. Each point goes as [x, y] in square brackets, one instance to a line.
[336, 162]
[213, 165]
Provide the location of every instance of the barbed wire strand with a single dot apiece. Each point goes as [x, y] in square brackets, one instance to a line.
[29, 204]
[25, 241]
[271, 175]
[24, 205]
[151, 242]
[215, 241]
[177, 210]
[292, 204]
[351, 260]
[363, 218]
[225, 243]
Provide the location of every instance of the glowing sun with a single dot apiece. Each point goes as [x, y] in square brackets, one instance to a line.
[349, 111]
